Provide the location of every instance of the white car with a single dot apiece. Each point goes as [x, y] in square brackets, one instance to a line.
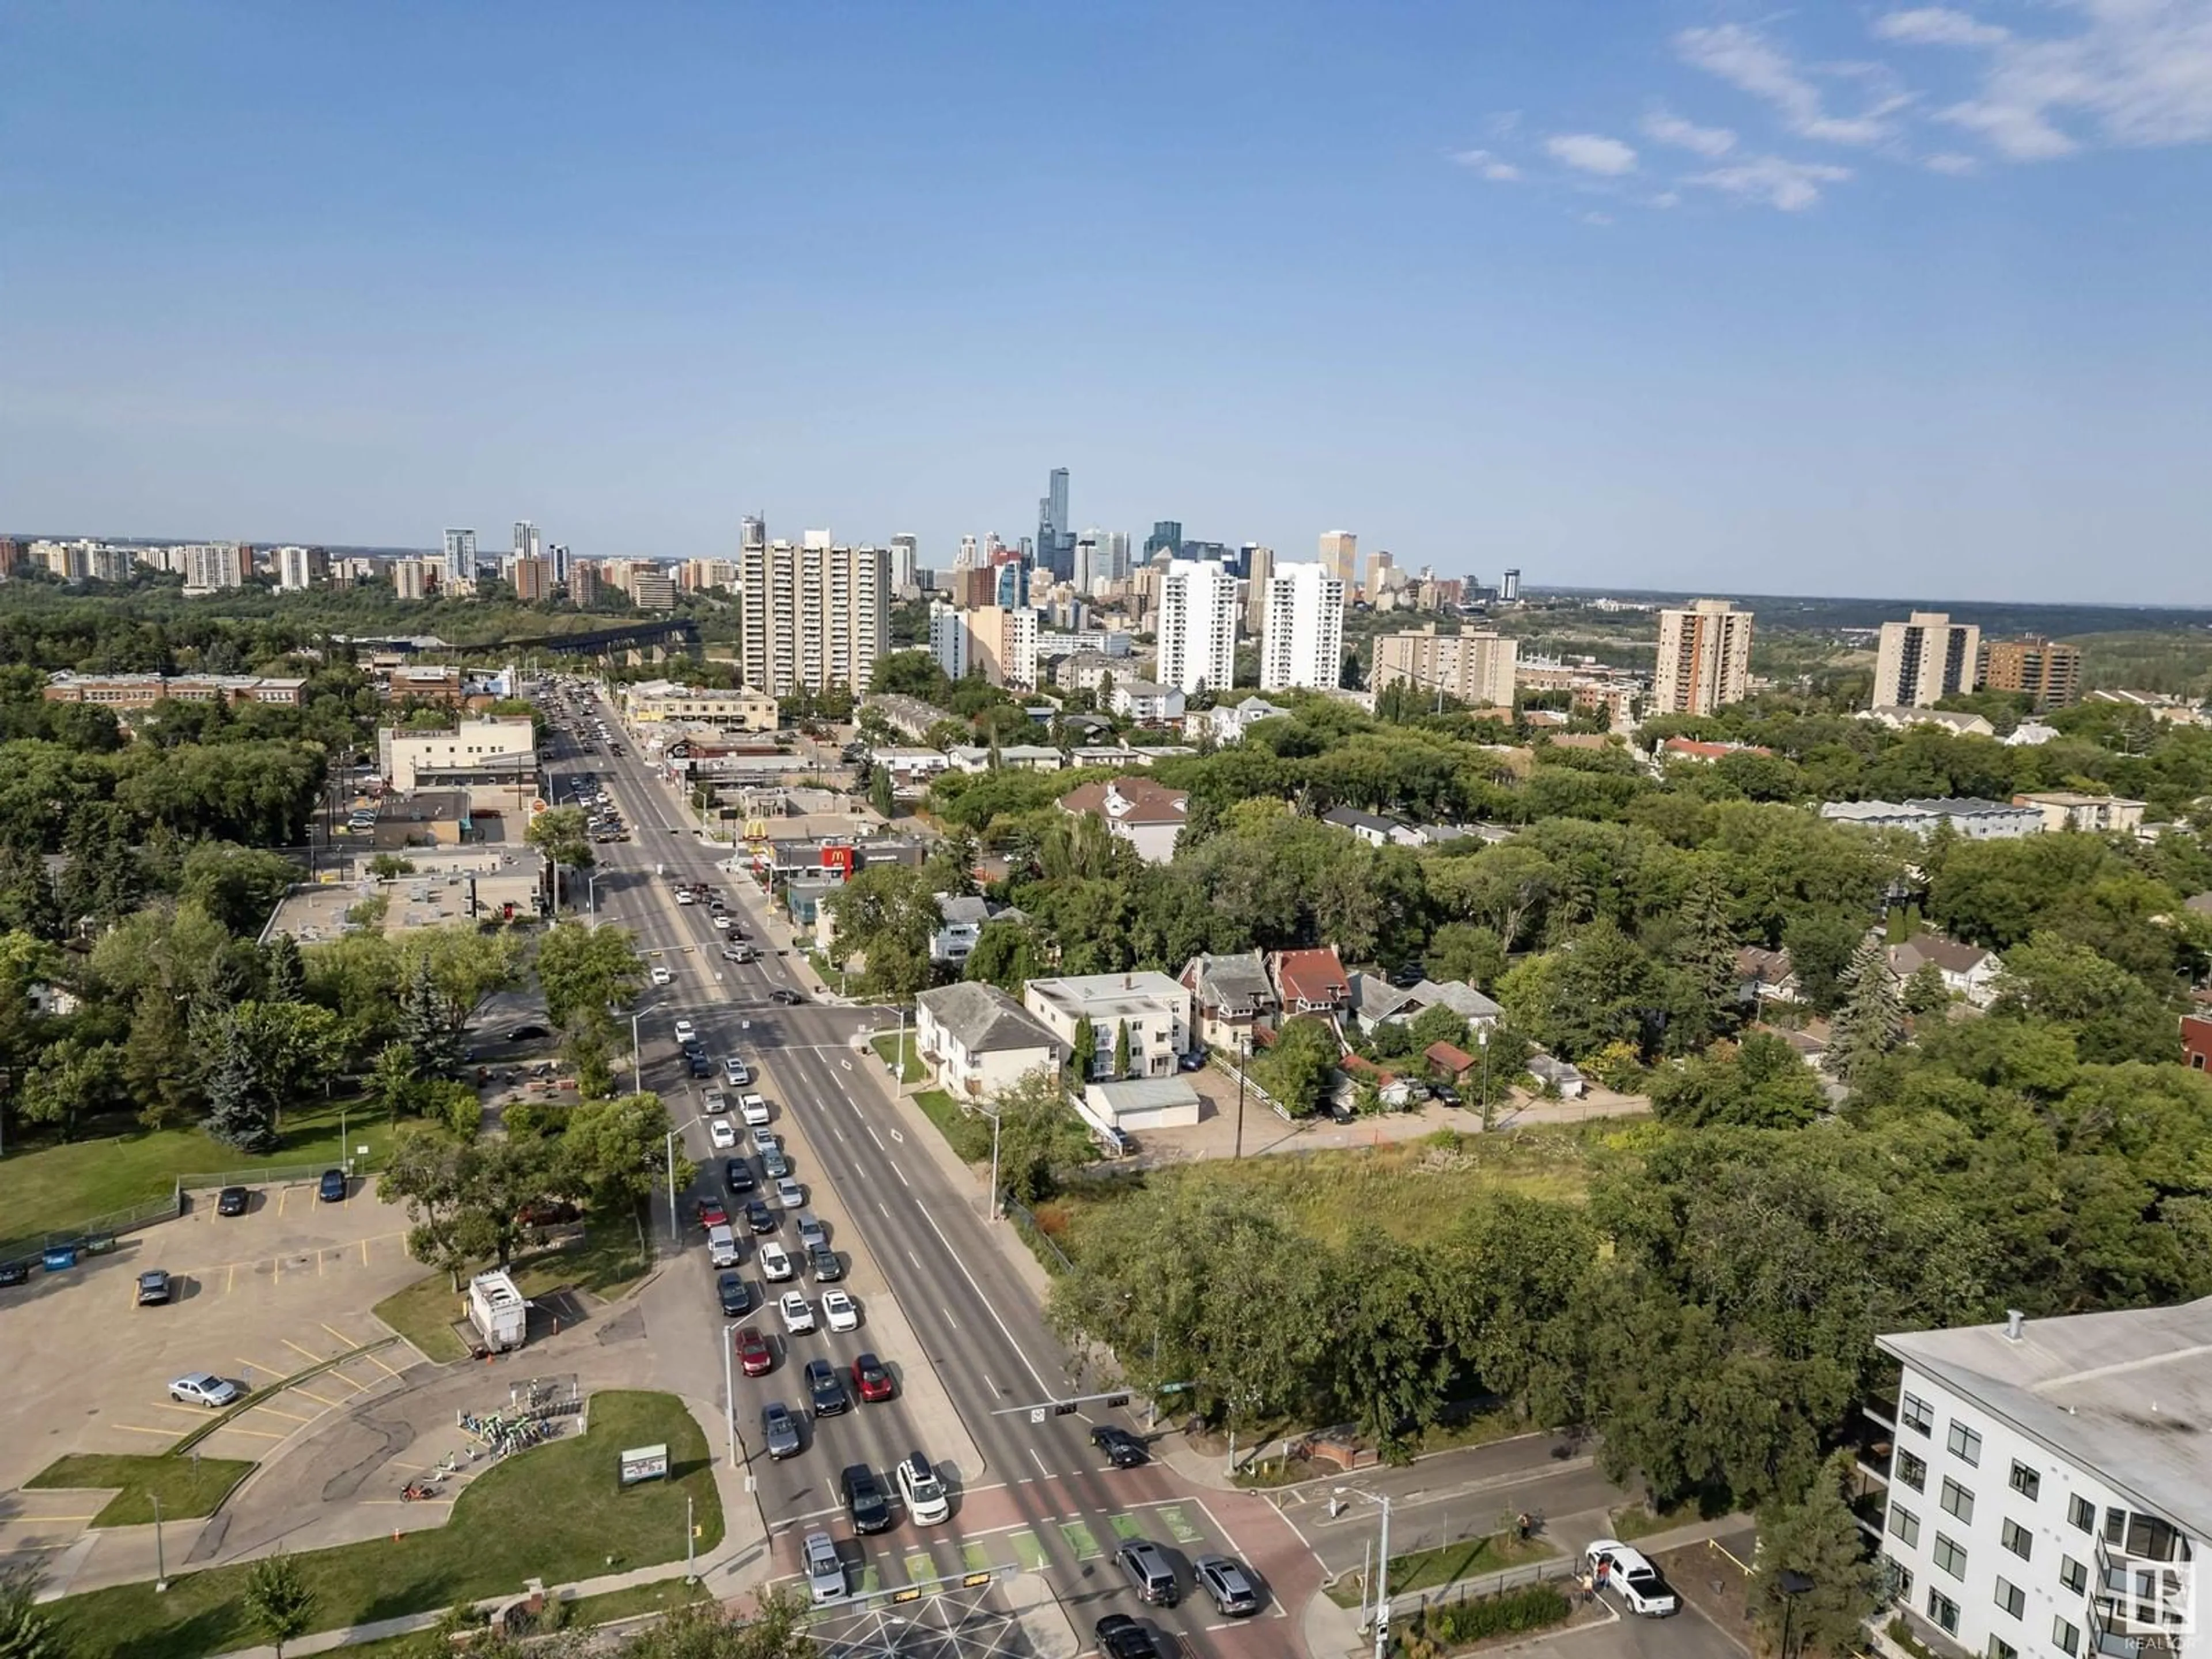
[841, 1311]
[765, 1139]
[722, 1132]
[685, 1031]
[662, 976]
[790, 1194]
[922, 1492]
[753, 1110]
[775, 1262]
[203, 1389]
[1629, 1574]
[722, 922]
[737, 1071]
[798, 1312]
[683, 896]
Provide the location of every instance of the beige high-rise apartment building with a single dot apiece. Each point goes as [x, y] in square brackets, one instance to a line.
[1002, 645]
[1197, 627]
[407, 578]
[534, 579]
[814, 616]
[1925, 658]
[1704, 657]
[1476, 666]
[1339, 554]
[1301, 639]
[1259, 566]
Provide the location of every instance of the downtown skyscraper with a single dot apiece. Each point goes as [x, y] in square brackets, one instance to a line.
[1055, 542]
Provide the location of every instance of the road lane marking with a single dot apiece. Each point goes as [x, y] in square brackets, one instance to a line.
[1216, 1522]
[901, 1174]
[874, 1136]
[949, 1319]
[1039, 1462]
[916, 1259]
[1043, 1386]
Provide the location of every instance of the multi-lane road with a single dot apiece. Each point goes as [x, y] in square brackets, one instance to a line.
[939, 1302]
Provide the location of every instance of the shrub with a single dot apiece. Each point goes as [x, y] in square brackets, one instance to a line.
[1458, 1624]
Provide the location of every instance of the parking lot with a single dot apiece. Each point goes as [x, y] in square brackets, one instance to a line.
[271, 1293]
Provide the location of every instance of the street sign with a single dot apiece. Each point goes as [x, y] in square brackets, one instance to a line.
[1036, 1414]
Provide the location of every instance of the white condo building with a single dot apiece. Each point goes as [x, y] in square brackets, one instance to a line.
[2050, 1484]
[1923, 659]
[815, 615]
[461, 559]
[1302, 636]
[1198, 626]
[948, 640]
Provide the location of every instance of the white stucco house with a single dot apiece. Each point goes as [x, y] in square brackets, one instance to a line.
[977, 1041]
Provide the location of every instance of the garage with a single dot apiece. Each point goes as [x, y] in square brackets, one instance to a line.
[1136, 1104]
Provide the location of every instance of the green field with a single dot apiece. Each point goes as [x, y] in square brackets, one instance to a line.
[54, 1188]
[608, 1263]
[554, 1513]
[895, 1048]
[188, 1487]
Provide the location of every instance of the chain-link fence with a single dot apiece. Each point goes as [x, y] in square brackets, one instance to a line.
[282, 1175]
[1047, 1250]
[96, 1233]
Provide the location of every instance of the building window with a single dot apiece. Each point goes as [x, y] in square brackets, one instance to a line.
[2011, 1597]
[2066, 1637]
[2081, 1512]
[1949, 1557]
[1945, 1612]
[2026, 1481]
[2072, 1574]
[1958, 1501]
[1966, 1443]
[2018, 1539]
[1905, 1524]
[2002, 1649]
[1900, 1578]
[1916, 1415]
[1911, 1471]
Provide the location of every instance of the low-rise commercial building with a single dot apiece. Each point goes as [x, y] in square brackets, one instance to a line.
[1972, 818]
[144, 690]
[651, 701]
[495, 747]
[2091, 814]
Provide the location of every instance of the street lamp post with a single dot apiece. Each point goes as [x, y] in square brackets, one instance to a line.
[995, 1210]
[674, 1232]
[730, 1390]
[1243, 1062]
[1382, 1501]
[1482, 1042]
[161, 1560]
[1792, 1584]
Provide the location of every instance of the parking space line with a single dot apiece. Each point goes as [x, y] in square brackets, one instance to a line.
[317, 1398]
[257, 1434]
[40, 1519]
[358, 1387]
[255, 1365]
[189, 1410]
[379, 1365]
[364, 1253]
[230, 1278]
[132, 1428]
[313, 1357]
[344, 1341]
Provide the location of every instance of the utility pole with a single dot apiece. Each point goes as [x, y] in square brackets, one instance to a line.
[729, 1392]
[1244, 1061]
[1482, 1042]
[160, 1560]
[691, 1575]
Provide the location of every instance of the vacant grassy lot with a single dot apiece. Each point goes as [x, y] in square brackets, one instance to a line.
[970, 1132]
[555, 1513]
[187, 1487]
[608, 1263]
[50, 1189]
[1471, 1558]
[895, 1048]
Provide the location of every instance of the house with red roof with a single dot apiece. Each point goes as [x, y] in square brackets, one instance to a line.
[1310, 981]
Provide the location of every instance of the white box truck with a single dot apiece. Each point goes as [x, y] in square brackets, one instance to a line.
[498, 1311]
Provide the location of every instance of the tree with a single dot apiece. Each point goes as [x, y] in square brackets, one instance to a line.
[1871, 1022]
[394, 1084]
[1120, 1048]
[1819, 1537]
[1464, 951]
[1039, 1134]
[584, 971]
[240, 1113]
[290, 1042]
[279, 1600]
[879, 794]
[239, 887]
[1085, 1059]
[25, 1631]
[563, 834]
[466, 1198]
[614, 1153]
[288, 974]
[425, 1030]
[1297, 1070]
[161, 1066]
[706, 1630]
[1925, 991]
[1705, 955]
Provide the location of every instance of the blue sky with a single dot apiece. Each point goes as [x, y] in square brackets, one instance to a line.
[1873, 299]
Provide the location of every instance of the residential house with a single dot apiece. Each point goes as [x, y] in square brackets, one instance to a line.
[1310, 981]
[909, 767]
[978, 1041]
[1550, 1071]
[1147, 815]
[1972, 818]
[1375, 1001]
[1147, 703]
[1011, 756]
[1233, 997]
[1764, 976]
[2029, 734]
[1898, 717]
[1230, 721]
[1152, 1008]
[1691, 750]
[961, 924]
[1374, 830]
[1968, 970]
[1448, 1064]
[2063, 809]
[2197, 1042]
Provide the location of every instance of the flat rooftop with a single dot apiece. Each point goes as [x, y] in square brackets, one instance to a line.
[1111, 995]
[2126, 1395]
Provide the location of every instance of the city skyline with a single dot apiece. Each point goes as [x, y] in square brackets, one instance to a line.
[1669, 297]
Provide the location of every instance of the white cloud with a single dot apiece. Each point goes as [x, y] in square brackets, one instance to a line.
[1590, 152]
[1792, 187]
[1663, 128]
[1503, 124]
[2137, 73]
[1748, 61]
[1490, 166]
[1938, 25]
[1666, 198]
[1598, 218]
[1951, 162]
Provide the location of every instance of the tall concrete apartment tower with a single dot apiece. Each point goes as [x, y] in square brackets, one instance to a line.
[1339, 553]
[1923, 659]
[2047, 672]
[1704, 657]
[1302, 639]
[813, 617]
[1197, 626]
[461, 559]
[1475, 665]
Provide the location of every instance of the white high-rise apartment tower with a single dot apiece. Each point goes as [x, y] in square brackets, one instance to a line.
[1302, 640]
[906, 564]
[1198, 626]
[1925, 658]
[460, 559]
[948, 640]
[814, 616]
[1704, 657]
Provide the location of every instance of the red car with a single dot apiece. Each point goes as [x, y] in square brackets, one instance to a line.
[753, 1353]
[870, 1380]
[712, 1214]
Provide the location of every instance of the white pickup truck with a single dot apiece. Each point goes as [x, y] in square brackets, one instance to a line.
[1629, 1575]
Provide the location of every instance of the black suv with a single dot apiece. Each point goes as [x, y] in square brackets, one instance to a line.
[825, 1389]
[1123, 1450]
[1120, 1636]
[865, 1501]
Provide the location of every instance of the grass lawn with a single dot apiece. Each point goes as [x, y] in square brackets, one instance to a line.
[970, 1132]
[608, 1263]
[591, 1610]
[554, 1512]
[1633, 1521]
[1447, 1563]
[186, 1488]
[52, 1187]
[895, 1048]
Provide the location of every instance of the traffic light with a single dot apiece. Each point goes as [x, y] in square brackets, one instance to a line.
[1114, 1399]
[1063, 1408]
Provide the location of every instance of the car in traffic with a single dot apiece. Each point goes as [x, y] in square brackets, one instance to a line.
[825, 1389]
[737, 1176]
[233, 1200]
[872, 1379]
[154, 1288]
[796, 1311]
[1123, 1450]
[784, 997]
[810, 1229]
[774, 1262]
[840, 1311]
[755, 1357]
[737, 1071]
[789, 1194]
[1227, 1585]
[758, 1216]
[722, 1133]
[332, 1188]
[825, 1265]
[753, 1110]
[722, 922]
[775, 1164]
[697, 1064]
[866, 1504]
[825, 1572]
[206, 1388]
[740, 954]
[735, 1295]
[1628, 1572]
[920, 1491]
[722, 1249]
[712, 1214]
[1149, 1571]
[764, 1138]
[686, 1032]
[662, 976]
[1120, 1636]
[526, 1032]
[778, 1429]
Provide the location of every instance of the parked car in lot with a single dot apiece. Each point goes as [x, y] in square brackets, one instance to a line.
[1227, 1585]
[825, 1389]
[798, 1313]
[1123, 1450]
[841, 1311]
[921, 1492]
[331, 1189]
[872, 1379]
[206, 1388]
[735, 1295]
[778, 1429]
[1629, 1575]
[755, 1357]
[232, 1201]
[866, 1504]
[154, 1288]
[18, 1272]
